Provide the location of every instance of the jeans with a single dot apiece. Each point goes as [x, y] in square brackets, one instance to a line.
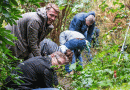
[76, 46]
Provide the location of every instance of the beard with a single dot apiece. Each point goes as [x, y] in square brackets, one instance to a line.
[50, 21]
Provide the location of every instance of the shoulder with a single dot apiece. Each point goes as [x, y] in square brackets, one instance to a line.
[30, 60]
[46, 40]
[91, 13]
[65, 32]
[80, 16]
[31, 17]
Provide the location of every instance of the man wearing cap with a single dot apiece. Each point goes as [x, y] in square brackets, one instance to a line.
[32, 28]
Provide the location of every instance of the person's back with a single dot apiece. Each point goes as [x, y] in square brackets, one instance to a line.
[48, 47]
[36, 72]
[78, 22]
[21, 29]
[69, 35]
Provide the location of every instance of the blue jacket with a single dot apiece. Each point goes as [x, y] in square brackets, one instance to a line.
[78, 24]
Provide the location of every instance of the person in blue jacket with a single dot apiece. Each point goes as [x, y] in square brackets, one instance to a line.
[84, 23]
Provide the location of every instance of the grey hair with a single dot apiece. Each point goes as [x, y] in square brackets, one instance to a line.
[91, 18]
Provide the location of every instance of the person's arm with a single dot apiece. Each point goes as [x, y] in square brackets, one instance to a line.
[85, 34]
[90, 33]
[62, 38]
[32, 37]
[55, 80]
[97, 32]
[49, 78]
[44, 76]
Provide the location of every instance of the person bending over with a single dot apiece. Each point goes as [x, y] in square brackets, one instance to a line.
[36, 72]
[70, 40]
[32, 28]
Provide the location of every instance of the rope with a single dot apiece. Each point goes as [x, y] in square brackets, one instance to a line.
[122, 49]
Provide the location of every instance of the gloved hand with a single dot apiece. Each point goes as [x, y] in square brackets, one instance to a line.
[63, 48]
[88, 46]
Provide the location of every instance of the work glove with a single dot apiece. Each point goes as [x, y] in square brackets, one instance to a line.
[63, 48]
[88, 46]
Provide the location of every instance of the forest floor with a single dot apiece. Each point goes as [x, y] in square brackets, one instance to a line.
[65, 81]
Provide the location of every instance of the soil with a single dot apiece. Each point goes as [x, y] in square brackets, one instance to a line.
[65, 81]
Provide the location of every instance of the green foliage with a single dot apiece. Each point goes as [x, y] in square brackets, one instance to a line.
[9, 12]
[103, 6]
[100, 73]
[76, 67]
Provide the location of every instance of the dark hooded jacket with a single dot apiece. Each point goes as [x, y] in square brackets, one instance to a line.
[78, 24]
[35, 72]
[30, 30]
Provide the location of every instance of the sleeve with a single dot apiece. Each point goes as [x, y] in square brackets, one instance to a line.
[90, 33]
[62, 38]
[48, 78]
[32, 37]
[55, 80]
[85, 34]
[44, 76]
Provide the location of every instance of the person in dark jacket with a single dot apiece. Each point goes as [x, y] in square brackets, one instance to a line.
[84, 23]
[32, 28]
[37, 72]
